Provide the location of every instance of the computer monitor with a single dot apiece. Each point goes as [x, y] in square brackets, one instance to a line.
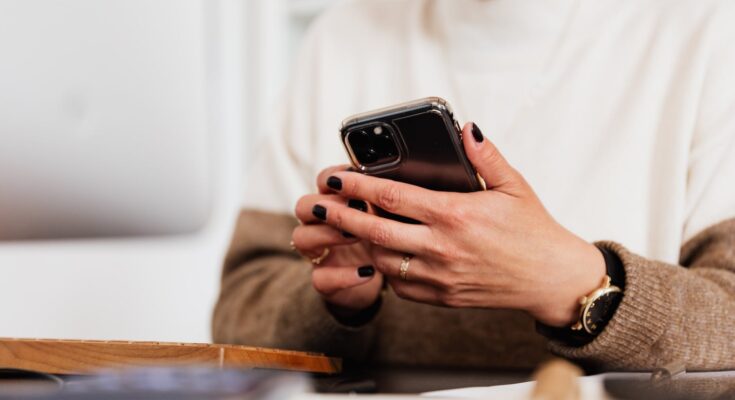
[106, 119]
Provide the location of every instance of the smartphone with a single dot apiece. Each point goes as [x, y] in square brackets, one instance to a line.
[418, 142]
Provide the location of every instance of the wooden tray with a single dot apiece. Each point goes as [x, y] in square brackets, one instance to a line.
[89, 356]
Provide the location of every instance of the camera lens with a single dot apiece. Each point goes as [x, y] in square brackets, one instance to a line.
[370, 156]
[359, 139]
[373, 149]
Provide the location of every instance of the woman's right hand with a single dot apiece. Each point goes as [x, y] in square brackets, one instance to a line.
[345, 277]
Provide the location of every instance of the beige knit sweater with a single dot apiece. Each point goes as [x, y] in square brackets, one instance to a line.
[669, 312]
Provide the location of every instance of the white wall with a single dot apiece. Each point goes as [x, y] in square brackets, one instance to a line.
[162, 289]
[274, 30]
[138, 289]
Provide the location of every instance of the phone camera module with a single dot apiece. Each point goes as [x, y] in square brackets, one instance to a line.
[370, 156]
[373, 145]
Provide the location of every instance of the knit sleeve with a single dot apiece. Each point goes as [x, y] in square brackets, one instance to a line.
[671, 312]
[267, 299]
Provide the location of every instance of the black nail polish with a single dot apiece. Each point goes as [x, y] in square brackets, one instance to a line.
[357, 205]
[477, 133]
[348, 235]
[319, 212]
[334, 183]
[366, 271]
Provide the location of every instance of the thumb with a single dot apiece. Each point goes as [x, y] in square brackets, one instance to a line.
[489, 163]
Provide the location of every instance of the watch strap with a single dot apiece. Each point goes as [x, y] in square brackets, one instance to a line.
[614, 267]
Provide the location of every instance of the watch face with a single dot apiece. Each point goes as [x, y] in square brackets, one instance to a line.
[600, 311]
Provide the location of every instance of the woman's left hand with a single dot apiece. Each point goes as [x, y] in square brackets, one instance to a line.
[498, 248]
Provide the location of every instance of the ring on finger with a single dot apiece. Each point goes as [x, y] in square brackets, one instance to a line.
[318, 260]
[404, 267]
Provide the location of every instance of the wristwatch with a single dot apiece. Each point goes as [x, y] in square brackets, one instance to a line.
[596, 309]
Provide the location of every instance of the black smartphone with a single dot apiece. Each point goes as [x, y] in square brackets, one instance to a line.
[418, 142]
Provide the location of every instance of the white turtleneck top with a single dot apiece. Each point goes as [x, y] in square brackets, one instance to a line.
[620, 113]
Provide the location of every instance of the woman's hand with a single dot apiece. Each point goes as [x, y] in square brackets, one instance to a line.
[494, 249]
[345, 277]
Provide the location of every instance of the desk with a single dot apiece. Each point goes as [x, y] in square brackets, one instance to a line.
[68, 357]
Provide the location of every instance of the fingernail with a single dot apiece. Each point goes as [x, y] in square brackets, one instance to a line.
[477, 133]
[334, 183]
[357, 205]
[319, 212]
[348, 235]
[366, 271]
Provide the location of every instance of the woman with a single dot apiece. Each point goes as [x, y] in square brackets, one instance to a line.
[610, 153]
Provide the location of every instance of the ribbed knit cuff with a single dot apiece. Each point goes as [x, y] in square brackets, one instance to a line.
[358, 319]
[640, 320]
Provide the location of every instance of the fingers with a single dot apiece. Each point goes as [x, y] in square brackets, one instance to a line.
[321, 180]
[389, 262]
[306, 204]
[416, 292]
[396, 197]
[407, 238]
[329, 280]
[311, 240]
[498, 174]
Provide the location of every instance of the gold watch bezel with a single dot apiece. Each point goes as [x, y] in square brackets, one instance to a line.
[586, 302]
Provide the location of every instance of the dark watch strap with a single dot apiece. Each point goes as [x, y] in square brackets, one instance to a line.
[614, 267]
[616, 271]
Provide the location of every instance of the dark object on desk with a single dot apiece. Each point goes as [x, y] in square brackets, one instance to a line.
[13, 380]
[344, 384]
[163, 383]
[412, 380]
[90, 356]
[696, 386]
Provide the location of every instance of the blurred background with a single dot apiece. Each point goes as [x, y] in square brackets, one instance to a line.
[126, 130]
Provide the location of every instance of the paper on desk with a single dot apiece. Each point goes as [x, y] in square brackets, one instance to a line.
[590, 387]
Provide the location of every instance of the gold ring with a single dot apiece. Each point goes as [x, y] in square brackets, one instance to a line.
[404, 267]
[318, 260]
